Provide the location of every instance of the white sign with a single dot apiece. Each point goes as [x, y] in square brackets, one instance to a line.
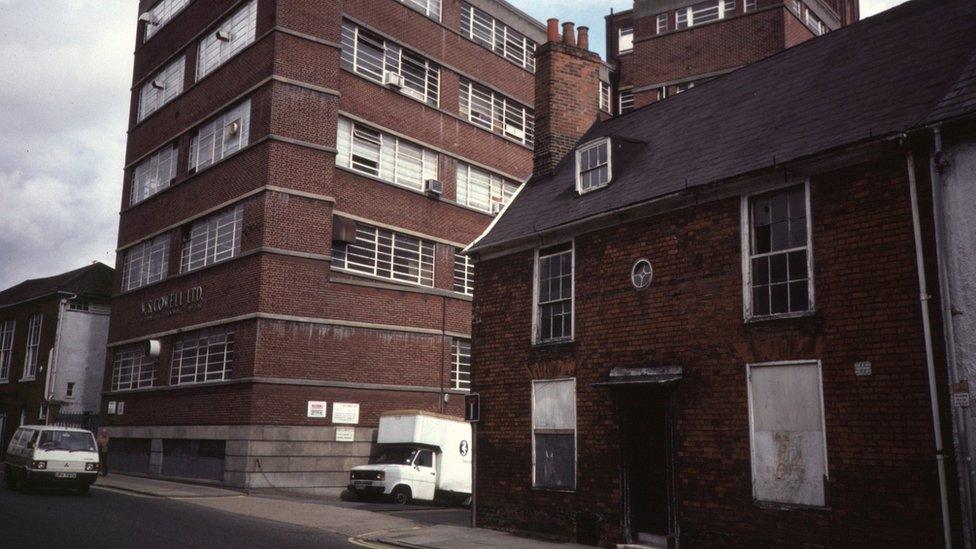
[960, 400]
[345, 412]
[862, 368]
[111, 407]
[317, 408]
[120, 408]
[345, 434]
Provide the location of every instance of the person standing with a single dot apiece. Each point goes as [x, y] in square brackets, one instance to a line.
[103, 450]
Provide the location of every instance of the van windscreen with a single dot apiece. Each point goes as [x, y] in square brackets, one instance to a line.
[402, 456]
[70, 441]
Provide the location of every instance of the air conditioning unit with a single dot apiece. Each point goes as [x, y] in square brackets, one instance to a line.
[433, 188]
[343, 230]
[232, 129]
[158, 84]
[223, 36]
[497, 208]
[393, 80]
[517, 133]
[148, 17]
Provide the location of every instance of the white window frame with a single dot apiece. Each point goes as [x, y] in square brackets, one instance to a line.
[504, 41]
[604, 96]
[162, 13]
[33, 345]
[750, 5]
[536, 306]
[629, 96]
[42, 412]
[370, 240]
[596, 143]
[470, 186]
[620, 40]
[69, 390]
[132, 368]
[393, 155]
[210, 229]
[199, 368]
[813, 23]
[145, 263]
[7, 332]
[501, 109]
[745, 230]
[162, 88]
[751, 410]
[210, 143]
[463, 273]
[390, 61]
[661, 23]
[687, 14]
[430, 8]
[154, 174]
[535, 484]
[213, 51]
[457, 358]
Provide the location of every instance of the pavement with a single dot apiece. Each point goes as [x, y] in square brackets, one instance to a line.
[369, 524]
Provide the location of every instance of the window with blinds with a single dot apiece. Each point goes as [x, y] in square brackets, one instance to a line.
[199, 357]
[483, 29]
[372, 56]
[494, 112]
[225, 134]
[212, 239]
[387, 254]
[154, 174]
[384, 156]
[145, 263]
[161, 88]
[161, 14]
[482, 190]
[463, 273]
[233, 35]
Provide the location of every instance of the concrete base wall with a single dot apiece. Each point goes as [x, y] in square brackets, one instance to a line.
[295, 459]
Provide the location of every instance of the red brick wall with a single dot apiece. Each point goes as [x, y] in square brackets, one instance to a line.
[883, 489]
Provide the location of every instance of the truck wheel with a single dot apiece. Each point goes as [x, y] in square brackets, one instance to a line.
[401, 495]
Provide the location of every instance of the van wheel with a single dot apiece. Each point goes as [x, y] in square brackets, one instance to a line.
[401, 495]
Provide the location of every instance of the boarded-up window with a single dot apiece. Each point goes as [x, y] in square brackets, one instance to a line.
[789, 452]
[554, 433]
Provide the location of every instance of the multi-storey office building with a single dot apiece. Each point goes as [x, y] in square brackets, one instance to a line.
[300, 177]
[53, 332]
[664, 47]
[700, 325]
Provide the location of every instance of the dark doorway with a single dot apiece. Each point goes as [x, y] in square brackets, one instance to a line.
[646, 452]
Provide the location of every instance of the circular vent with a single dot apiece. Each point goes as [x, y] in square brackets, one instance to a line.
[641, 274]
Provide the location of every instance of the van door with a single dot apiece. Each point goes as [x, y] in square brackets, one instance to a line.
[426, 475]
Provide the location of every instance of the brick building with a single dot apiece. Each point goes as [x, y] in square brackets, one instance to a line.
[699, 323]
[663, 47]
[299, 177]
[53, 333]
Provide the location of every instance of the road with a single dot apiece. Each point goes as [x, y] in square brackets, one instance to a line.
[113, 519]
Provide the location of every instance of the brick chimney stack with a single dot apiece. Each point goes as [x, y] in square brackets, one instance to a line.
[567, 94]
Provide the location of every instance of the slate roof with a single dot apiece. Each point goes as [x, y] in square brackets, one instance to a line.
[906, 68]
[95, 280]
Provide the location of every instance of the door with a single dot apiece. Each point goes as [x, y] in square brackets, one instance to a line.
[426, 475]
[647, 474]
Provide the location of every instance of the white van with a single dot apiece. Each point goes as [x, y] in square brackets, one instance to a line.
[43, 455]
[422, 455]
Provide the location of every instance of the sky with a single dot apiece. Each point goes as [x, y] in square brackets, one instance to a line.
[64, 100]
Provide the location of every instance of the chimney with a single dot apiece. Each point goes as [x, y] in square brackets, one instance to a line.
[567, 95]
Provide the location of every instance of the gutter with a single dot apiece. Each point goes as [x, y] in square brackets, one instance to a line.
[924, 298]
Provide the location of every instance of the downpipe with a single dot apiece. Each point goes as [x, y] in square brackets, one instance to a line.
[959, 415]
[924, 298]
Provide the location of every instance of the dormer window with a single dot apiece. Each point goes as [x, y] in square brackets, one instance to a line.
[593, 166]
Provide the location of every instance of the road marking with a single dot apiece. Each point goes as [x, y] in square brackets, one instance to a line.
[371, 545]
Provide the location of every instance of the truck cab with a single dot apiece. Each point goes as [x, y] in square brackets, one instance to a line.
[421, 456]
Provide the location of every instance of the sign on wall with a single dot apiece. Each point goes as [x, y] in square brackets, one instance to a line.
[345, 412]
[317, 409]
[173, 303]
[345, 434]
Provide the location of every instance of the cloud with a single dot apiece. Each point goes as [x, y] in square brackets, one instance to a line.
[64, 92]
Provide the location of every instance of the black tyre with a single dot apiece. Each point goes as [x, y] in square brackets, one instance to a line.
[401, 495]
